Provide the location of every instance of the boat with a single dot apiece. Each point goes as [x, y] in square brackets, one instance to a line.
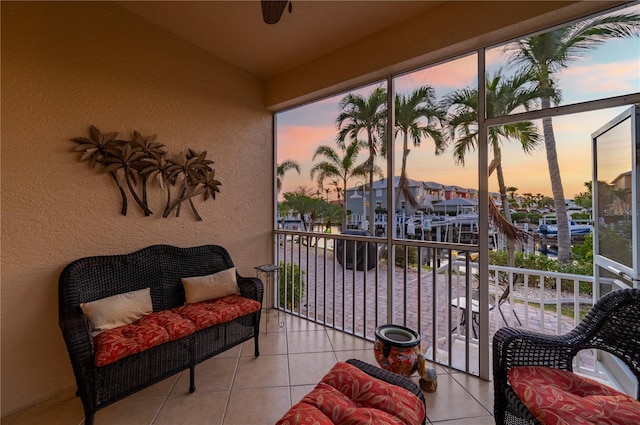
[548, 227]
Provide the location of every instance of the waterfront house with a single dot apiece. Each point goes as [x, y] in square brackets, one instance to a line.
[425, 193]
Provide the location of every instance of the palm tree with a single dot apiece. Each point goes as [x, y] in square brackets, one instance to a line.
[305, 204]
[544, 55]
[337, 188]
[418, 116]
[512, 191]
[502, 97]
[282, 168]
[336, 167]
[528, 200]
[368, 115]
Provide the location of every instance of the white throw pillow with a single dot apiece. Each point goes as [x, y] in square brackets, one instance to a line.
[117, 310]
[217, 285]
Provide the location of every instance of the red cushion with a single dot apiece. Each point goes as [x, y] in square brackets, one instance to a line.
[221, 310]
[149, 331]
[560, 397]
[163, 326]
[347, 395]
[303, 413]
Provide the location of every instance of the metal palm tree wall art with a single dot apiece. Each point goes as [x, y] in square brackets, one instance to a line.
[135, 163]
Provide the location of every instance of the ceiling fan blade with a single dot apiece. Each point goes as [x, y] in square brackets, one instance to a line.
[272, 10]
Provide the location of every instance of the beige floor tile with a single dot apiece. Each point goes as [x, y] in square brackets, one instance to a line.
[48, 414]
[483, 420]
[248, 348]
[440, 370]
[215, 374]
[270, 344]
[299, 391]
[309, 368]
[364, 355]
[130, 411]
[343, 342]
[264, 371]
[193, 409]
[164, 387]
[232, 352]
[296, 324]
[451, 401]
[10, 419]
[479, 389]
[262, 406]
[67, 395]
[273, 321]
[308, 342]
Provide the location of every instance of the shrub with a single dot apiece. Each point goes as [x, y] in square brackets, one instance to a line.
[583, 253]
[525, 217]
[581, 216]
[293, 287]
[412, 255]
[582, 265]
[519, 217]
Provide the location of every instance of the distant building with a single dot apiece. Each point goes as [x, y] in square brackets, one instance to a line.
[427, 194]
[451, 192]
[457, 205]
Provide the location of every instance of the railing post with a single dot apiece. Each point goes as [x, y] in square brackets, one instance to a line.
[391, 207]
[483, 223]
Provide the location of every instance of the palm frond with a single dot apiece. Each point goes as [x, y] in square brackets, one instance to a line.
[510, 231]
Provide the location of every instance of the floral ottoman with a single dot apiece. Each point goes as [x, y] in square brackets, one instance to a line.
[355, 392]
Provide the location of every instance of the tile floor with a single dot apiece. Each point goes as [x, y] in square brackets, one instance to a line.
[236, 388]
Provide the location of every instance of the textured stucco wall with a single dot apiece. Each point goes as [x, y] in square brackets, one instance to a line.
[68, 65]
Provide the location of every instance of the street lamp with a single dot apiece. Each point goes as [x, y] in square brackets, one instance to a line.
[356, 195]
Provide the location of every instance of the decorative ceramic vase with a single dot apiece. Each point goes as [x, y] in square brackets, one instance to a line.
[397, 349]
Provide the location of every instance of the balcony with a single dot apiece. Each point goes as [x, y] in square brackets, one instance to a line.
[334, 319]
[236, 388]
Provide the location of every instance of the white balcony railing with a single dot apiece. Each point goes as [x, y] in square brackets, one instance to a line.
[345, 282]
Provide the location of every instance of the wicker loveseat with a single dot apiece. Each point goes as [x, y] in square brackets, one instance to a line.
[532, 371]
[176, 336]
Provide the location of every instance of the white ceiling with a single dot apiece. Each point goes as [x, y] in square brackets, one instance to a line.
[235, 31]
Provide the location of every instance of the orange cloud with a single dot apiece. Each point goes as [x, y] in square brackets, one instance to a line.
[301, 141]
[457, 73]
[612, 78]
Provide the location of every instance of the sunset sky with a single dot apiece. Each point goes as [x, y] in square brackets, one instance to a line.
[610, 70]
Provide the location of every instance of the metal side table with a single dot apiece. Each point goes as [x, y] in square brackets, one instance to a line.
[270, 271]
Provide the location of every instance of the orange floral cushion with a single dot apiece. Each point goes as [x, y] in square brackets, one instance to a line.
[221, 310]
[306, 414]
[164, 326]
[149, 331]
[560, 397]
[347, 395]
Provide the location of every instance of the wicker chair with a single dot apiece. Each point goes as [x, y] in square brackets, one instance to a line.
[612, 325]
